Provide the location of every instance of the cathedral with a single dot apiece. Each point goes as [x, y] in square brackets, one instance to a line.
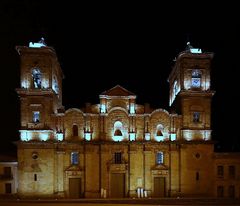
[118, 148]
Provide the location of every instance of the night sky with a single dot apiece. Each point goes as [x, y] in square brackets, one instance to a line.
[100, 46]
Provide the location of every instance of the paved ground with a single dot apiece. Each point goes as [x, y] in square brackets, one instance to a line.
[124, 202]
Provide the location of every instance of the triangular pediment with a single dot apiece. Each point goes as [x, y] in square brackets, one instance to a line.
[117, 91]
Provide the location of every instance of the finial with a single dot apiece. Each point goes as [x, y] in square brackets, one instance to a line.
[42, 41]
[40, 44]
[190, 48]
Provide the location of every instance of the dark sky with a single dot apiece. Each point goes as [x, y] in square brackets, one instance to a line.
[99, 46]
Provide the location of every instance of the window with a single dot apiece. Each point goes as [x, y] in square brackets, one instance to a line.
[88, 136]
[220, 191]
[7, 172]
[103, 108]
[159, 135]
[75, 130]
[55, 85]
[117, 135]
[36, 74]
[196, 78]
[231, 172]
[197, 176]
[74, 158]
[159, 158]
[36, 116]
[118, 158]
[147, 136]
[8, 188]
[117, 132]
[196, 117]
[35, 177]
[176, 88]
[220, 171]
[132, 136]
[231, 191]
[132, 108]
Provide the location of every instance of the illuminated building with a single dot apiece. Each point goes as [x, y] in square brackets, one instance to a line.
[116, 148]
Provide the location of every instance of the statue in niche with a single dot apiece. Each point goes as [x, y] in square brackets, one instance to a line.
[36, 74]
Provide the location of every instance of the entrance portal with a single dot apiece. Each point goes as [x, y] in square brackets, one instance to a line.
[117, 185]
[159, 187]
[74, 188]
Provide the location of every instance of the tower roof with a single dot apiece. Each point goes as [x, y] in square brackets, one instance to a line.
[117, 91]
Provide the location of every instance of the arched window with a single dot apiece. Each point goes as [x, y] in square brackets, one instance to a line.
[196, 78]
[159, 134]
[117, 135]
[75, 130]
[117, 132]
[37, 78]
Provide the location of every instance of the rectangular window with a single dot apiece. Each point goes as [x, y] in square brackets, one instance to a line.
[220, 191]
[159, 158]
[103, 108]
[231, 191]
[196, 117]
[35, 177]
[132, 108]
[8, 188]
[196, 82]
[231, 171]
[7, 172]
[220, 171]
[74, 158]
[197, 176]
[36, 116]
[118, 158]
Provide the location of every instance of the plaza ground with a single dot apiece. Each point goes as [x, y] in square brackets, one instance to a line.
[118, 202]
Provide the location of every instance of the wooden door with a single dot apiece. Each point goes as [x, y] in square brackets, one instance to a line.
[117, 189]
[159, 186]
[74, 188]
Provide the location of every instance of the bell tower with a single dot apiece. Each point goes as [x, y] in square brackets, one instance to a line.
[190, 93]
[41, 90]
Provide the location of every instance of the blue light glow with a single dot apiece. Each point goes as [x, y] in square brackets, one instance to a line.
[74, 158]
[147, 136]
[159, 158]
[103, 108]
[173, 137]
[88, 136]
[196, 51]
[60, 136]
[43, 136]
[117, 138]
[132, 136]
[132, 108]
[117, 132]
[39, 44]
[36, 116]
[25, 84]
[25, 135]
[159, 138]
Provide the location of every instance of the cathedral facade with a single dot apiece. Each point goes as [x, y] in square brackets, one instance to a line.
[116, 148]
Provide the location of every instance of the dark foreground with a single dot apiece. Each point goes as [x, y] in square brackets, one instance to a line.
[117, 202]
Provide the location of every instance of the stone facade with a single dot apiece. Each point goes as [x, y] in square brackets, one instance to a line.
[116, 148]
[8, 175]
